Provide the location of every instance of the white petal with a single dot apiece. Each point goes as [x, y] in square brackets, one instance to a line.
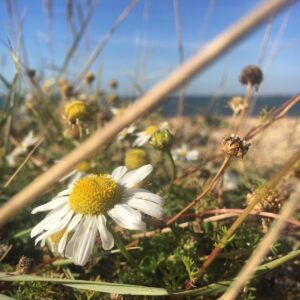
[118, 173]
[85, 241]
[70, 248]
[142, 139]
[65, 192]
[133, 177]
[150, 208]
[51, 205]
[127, 217]
[52, 218]
[67, 175]
[106, 237]
[73, 223]
[142, 194]
[192, 155]
[56, 227]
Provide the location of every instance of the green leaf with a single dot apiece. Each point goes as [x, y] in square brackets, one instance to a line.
[104, 287]
[4, 297]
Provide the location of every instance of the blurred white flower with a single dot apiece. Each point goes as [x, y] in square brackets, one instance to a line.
[144, 136]
[230, 181]
[126, 131]
[183, 153]
[22, 148]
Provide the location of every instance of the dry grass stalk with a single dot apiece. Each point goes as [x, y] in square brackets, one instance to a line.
[8, 182]
[180, 52]
[263, 248]
[153, 97]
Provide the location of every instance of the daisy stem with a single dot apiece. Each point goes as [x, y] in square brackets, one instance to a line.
[169, 154]
[121, 247]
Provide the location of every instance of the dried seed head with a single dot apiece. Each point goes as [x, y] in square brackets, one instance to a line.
[113, 84]
[235, 146]
[25, 265]
[271, 202]
[31, 73]
[251, 75]
[66, 90]
[112, 99]
[89, 78]
[162, 140]
[237, 104]
[72, 132]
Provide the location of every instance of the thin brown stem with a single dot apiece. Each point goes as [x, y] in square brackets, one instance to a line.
[8, 182]
[204, 192]
[244, 114]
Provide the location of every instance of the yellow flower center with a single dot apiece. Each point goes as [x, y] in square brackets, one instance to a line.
[151, 129]
[182, 152]
[84, 167]
[76, 110]
[95, 195]
[56, 237]
[136, 158]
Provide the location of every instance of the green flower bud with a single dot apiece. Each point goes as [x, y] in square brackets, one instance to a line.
[162, 140]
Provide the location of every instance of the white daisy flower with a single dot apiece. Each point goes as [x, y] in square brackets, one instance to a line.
[144, 136]
[80, 211]
[183, 153]
[125, 132]
[28, 141]
[116, 111]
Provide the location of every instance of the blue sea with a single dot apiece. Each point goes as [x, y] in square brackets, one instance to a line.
[195, 105]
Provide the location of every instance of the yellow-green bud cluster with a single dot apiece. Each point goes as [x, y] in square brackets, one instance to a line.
[162, 140]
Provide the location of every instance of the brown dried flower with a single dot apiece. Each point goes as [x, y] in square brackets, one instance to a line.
[251, 74]
[271, 202]
[113, 84]
[235, 146]
[30, 73]
[25, 265]
[89, 77]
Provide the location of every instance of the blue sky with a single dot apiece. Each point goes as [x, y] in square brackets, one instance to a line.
[144, 49]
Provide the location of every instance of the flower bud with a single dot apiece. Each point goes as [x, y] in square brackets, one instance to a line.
[76, 110]
[162, 140]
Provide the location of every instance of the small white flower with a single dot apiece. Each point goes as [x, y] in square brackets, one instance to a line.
[80, 211]
[116, 111]
[28, 141]
[183, 153]
[230, 181]
[125, 132]
[144, 136]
